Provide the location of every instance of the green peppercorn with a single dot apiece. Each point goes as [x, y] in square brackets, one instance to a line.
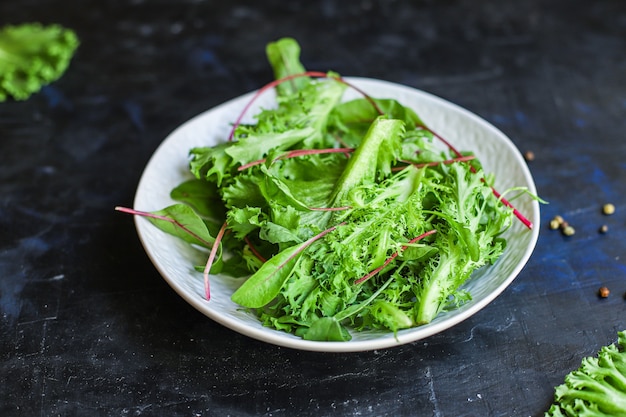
[608, 209]
[568, 230]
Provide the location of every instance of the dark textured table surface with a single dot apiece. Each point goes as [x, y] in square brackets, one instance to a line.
[87, 325]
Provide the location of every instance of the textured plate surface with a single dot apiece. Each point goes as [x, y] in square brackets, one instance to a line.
[174, 259]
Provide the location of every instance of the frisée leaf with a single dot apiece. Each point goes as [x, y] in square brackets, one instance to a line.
[597, 388]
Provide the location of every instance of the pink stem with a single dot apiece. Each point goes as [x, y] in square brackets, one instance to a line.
[254, 250]
[392, 257]
[341, 141]
[435, 163]
[296, 153]
[315, 74]
[448, 144]
[209, 263]
[311, 241]
[166, 219]
[304, 246]
[507, 203]
[330, 208]
[304, 152]
[251, 164]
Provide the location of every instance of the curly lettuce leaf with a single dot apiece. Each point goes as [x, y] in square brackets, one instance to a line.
[31, 56]
[597, 388]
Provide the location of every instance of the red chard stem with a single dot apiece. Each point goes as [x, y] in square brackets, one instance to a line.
[254, 250]
[306, 245]
[210, 260]
[314, 74]
[392, 257]
[435, 163]
[330, 208]
[166, 219]
[516, 212]
[297, 153]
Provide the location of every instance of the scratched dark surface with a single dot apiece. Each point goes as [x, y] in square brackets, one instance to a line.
[87, 325]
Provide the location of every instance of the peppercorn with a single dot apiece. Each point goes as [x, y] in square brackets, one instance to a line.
[603, 292]
[556, 222]
[608, 209]
[568, 230]
[529, 156]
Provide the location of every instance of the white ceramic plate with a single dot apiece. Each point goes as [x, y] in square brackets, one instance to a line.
[175, 259]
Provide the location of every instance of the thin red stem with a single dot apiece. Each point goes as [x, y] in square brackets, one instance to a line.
[251, 164]
[441, 138]
[392, 257]
[254, 250]
[311, 241]
[314, 74]
[304, 246]
[166, 219]
[330, 208]
[209, 262]
[303, 152]
[264, 89]
[435, 163]
[297, 153]
[341, 141]
[507, 203]
[364, 94]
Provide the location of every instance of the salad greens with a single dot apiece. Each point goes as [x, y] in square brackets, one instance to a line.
[31, 56]
[597, 388]
[341, 215]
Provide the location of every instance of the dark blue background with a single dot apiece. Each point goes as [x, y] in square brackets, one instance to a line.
[88, 327]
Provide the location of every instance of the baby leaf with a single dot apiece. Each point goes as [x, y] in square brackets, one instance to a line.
[265, 284]
[327, 329]
[178, 220]
[202, 196]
